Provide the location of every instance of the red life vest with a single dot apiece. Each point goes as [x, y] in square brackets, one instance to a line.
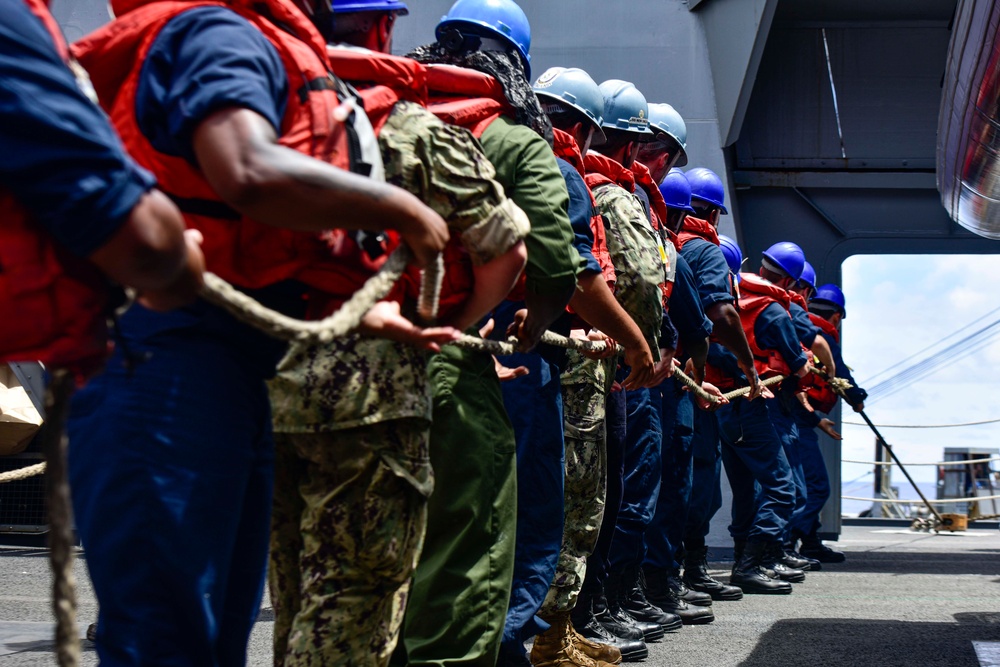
[245, 252]
[821, 395]
[565, 147]
[798, 299]
[696, 228]
[756, 294]
[55, 302]
[657, 207]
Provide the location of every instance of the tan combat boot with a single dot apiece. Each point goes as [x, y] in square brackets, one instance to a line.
[556, 647]
[595, 650]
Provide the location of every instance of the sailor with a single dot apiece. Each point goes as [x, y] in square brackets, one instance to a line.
[751, 448]
[661, 566]
[699, 243]
[827, 308]
[638, 255]
[472, 571]
[75, 207]
[575, 105]
[779, 261]
[338, 574]
[175, 443]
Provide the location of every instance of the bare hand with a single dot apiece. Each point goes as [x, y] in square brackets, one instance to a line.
[692, 372]
[425, 235]
[859, 407]
[756, 388]
[610, 346]
[709, 406]
[664, 368]
[805, 370]
[641, 365]
[765, 393]
[504, 373]
[826, 426]
[384, 320]
[185, 289]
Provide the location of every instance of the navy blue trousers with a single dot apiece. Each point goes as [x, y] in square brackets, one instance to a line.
[171, 468]
[788, 433]
[664, 537]
[643, 469]
[752, 454]
[534, 405]
[599, 563]
[706, 477]
[817, 481]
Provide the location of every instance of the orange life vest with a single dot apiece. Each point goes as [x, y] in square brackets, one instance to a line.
[696, 228]
[245, 252]
[565, 147]
[657, 207]
[756, 294]
[821, 395]
[55, 302]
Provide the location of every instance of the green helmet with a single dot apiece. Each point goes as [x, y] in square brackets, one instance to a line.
[625, 108]
[573, 87]
[664, 118]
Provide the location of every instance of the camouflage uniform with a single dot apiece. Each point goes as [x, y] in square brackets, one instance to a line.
[639, 257]
[585, 386]
[351, 423]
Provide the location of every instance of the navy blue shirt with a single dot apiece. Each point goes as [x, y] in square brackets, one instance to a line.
[204, 60]
[774, 331]
[61, 158]
[710, 271]
[806, 330]
[580, 211]
[685, 305]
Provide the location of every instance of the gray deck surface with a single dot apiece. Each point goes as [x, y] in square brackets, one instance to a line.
[901, 599]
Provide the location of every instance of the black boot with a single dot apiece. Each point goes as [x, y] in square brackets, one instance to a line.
[587, 624]
[638, 607]
[617, 616]
[750, 576]
[796, 560]
[773, 564]
[689, 595]
[661, 593]
[696, 577]
[813, 547]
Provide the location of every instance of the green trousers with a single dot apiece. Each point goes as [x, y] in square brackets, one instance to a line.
[458, 600]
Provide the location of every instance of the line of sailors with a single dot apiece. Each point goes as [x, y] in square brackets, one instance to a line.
[431, 504]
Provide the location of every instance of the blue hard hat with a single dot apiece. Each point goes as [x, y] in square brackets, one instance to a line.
[676, 190]
[575, 88]
[501, 19]
[808, 275]
[731, 250]
[707, 186]
[625, 107]
[664, 118]
[345, 6]
[830, 294]
[788, 257]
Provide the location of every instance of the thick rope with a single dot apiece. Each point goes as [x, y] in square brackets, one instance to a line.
[430, 290]
[22, 473]
[54, 443]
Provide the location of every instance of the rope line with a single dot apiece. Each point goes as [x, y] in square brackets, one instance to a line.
[988, 421]
[938, 463]
[22, 473]
[917, 501]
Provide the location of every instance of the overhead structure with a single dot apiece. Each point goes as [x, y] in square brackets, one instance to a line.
[968, 152]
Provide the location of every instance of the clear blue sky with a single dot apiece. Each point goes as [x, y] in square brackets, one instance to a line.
[898, 305]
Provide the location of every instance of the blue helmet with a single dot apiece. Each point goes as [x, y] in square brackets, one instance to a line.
[808, 275]
[573, 87]
[625, 107]
[345, 6]
[664, 118]
[830, 295]
[788, 257]
[676, 190]
[707, 186]
[500, 19]
[731, 251]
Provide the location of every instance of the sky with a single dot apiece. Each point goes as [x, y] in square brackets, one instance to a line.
[897, 305]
